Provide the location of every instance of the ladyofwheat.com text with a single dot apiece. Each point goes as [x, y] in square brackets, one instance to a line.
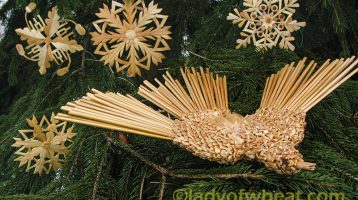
[242, 194]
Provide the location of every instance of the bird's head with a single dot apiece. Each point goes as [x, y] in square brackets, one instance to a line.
[285, 159]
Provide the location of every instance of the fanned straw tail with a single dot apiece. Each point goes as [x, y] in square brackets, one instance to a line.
[118, 112]
[205, 93]
[300, 88]
[125, 113]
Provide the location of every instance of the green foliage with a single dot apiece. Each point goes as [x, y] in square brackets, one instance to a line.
[97, 169]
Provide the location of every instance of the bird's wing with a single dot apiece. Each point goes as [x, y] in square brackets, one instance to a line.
[300, 88]
[206, 92]
[125, 113]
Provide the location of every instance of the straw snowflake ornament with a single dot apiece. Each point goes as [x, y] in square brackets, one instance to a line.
[45, 146]
[49, 40]
[267, 23]
[131, 35]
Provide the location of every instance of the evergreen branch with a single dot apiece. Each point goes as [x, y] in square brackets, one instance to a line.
[93, 60]
[74, 162]
[335, 12]
[3, 141]
[335, 143]
[56, 88]
[98, 176]
[88, 52]
[165, 171]
[336, 111]
[212, 39]
[95, 185]
[126, 80]
[202, 57]
[141, 188]
[345, 173]
[162, 186]
[355, 117]
[84, 54]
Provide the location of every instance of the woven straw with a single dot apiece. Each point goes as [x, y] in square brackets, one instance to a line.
[269, 136]
[206, 127]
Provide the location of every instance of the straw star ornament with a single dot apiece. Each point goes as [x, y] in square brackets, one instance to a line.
[45, 146]
[49, 40]
[131, 35]
[267, 23]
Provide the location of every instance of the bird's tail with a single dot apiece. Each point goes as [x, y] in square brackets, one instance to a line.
[125, 113]
[302, 87]
[117, 112]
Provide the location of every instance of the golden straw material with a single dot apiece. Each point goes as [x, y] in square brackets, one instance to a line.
[49, 40]
[30, 7]
[228, 137]
[267, 23]
[44, 147]
[206, 127]
[131, 35]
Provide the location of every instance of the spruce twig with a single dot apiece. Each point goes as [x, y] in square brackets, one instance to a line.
[165, 171]
[74, 161]
[98, 176]
[202, 57]
[93, 60]
[95, 185]
[349, 175]
[162, 186]
[335, 143]
[141, 188]
[336, 13]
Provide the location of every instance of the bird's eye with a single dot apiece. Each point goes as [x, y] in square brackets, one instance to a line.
[285, 162]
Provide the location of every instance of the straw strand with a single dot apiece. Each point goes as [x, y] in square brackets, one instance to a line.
[300, 88]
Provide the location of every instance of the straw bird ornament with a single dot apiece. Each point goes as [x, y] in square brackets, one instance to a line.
[131, 35]
[45, 146]
[202, 122]
[49, 40]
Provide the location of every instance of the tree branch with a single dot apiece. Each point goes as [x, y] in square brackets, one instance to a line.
[162, 186]
[345, 173]
[141, 188]
[166, 172]
[202, 57]
[98, 176]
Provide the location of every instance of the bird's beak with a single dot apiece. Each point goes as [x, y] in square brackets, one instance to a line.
[306, 166]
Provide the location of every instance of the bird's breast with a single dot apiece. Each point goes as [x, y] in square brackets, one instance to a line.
[200, 134]
[268, 135]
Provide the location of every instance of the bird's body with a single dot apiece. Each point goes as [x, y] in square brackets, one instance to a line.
[204, 124]
[268, 135]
